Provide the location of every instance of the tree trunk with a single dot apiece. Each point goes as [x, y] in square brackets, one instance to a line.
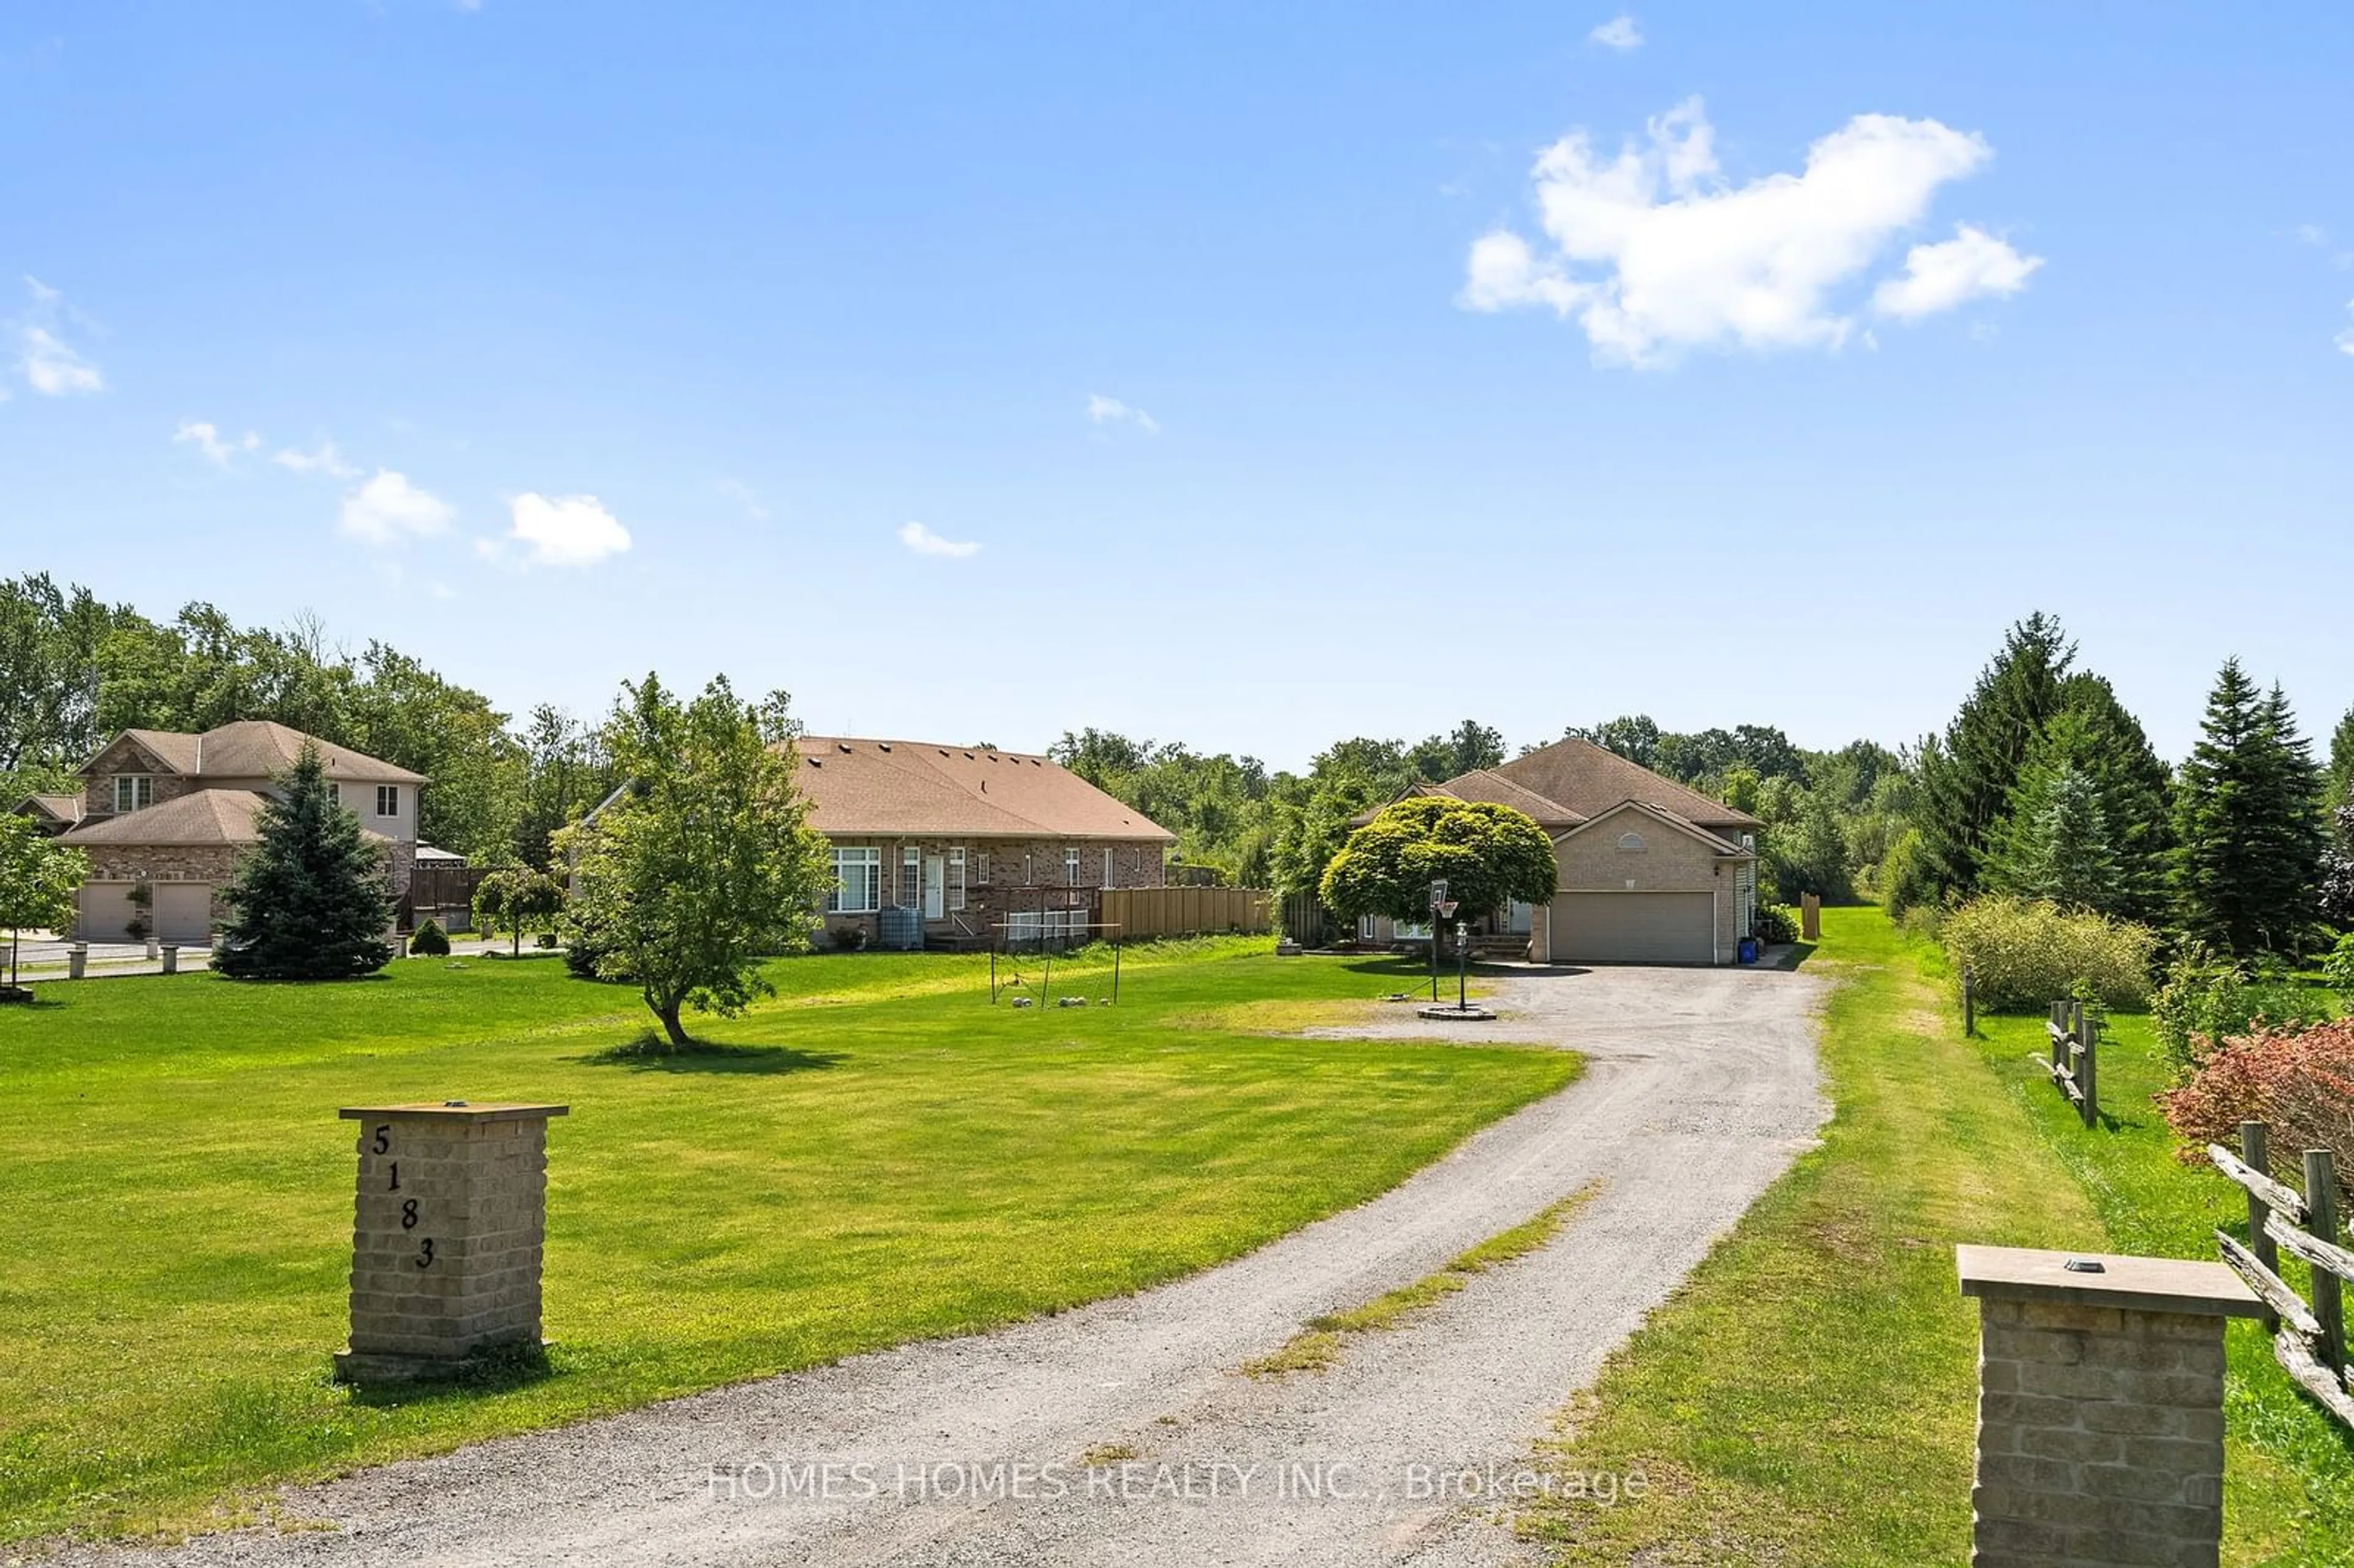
[518, 939]
[668, 1012]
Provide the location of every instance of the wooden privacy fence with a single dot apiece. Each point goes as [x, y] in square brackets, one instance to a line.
[1144, 912]
[2308, 1338]
[2074, 1066]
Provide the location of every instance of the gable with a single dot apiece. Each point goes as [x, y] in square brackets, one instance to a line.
[1636, 816]
[1590, 780]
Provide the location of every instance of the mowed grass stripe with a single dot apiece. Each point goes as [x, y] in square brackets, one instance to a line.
[1810, 1395]
[906, 1160]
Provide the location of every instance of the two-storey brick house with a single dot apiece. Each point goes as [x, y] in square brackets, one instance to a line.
[171, 813]
[969, 840]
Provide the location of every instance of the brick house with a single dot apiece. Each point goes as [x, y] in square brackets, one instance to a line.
[1652, 872]
[173, 812]
[967, 839]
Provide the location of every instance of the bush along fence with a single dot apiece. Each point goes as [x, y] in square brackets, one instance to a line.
[2308, 1338]
[2074, 1066]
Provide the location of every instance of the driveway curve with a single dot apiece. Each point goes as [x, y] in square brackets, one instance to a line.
[1122, 1432]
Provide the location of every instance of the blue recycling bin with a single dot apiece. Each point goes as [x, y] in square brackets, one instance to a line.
[1748, 949]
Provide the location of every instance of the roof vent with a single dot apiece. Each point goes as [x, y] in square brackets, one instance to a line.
[814, 762]
[968, 757]
[843, 747]
[882, 746]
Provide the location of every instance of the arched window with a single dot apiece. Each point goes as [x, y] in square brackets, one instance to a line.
[1631, 840]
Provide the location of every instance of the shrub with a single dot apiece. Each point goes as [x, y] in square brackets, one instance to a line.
[2206, 1000]
[850, 939]
[1904, 877]
[430, 941]
[2301, 1082]
[2028, 954]
[2338, 968]
[1925, 923]
[1774, 923]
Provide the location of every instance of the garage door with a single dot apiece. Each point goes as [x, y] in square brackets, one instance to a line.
[106, 912]
[1634, 928]
[183, 912]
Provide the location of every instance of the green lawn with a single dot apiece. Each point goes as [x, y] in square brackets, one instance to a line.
[1808, 1395]
[883, 1156]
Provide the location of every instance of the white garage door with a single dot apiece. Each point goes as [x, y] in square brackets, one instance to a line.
[1634, 928]
[106, 912]
[183, 912]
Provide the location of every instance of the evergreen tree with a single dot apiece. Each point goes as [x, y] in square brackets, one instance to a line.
[2247, 822]
[2059, 847]
[2096, 740]
[2340, 789]
[1967, 774]
[310, 899]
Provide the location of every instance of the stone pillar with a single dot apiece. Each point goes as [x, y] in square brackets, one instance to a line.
[2100, 1407]
[77, 959]
[171, 958]
[446, 1237]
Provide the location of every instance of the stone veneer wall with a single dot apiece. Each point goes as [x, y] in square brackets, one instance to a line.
[2099, 1437]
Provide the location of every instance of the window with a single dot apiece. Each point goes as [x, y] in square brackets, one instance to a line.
[980, 867]
[857, 882]
[1630, 842]
[1070, 868]
[1107, 877]
[911, 877]
[956, 877]
[1027, 881]
[388, 799]
[133, 791]
[335, 794]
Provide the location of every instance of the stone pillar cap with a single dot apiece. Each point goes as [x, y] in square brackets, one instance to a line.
[2132, 1284]
[458, 1110]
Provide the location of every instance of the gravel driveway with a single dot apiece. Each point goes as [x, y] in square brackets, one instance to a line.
[1702, 1089]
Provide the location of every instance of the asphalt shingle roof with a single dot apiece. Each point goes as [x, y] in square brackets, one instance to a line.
[926, 790]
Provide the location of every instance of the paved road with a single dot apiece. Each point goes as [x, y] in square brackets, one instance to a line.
[1702, 1087]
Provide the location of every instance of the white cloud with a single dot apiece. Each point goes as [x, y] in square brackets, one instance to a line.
[565, 530]
[1653, 251]
[1939, 277]
[325, 459]
[49, 364]
[1103, 410]
[1619, 33]
[2344, 340]
[206, 437]
[744, 495]
[924, 542]
[388, 510]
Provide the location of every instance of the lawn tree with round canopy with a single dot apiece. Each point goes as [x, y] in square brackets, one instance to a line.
[514, 897]
[702, 864]
[1488, 855]
[38, 879]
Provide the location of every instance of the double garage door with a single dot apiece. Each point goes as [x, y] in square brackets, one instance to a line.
[1634, 928]
[182, 911]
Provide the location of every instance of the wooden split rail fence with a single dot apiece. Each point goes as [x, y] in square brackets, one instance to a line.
[2308, 1338]
[2074, 1066]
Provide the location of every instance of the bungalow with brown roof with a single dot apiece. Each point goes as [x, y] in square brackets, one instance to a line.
[962, 841]
[165, 816]
[1652, 872]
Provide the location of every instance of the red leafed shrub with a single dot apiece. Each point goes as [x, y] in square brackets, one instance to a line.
[2301, 1083]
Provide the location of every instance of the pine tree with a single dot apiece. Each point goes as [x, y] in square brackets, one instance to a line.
[1967, 775]
[2094, 737]
[310, 899]
[2075, 866]
[2340, 789]
[2248, 823]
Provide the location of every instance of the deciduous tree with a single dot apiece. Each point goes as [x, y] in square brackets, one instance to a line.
[702, 864]
[39, 878]
[1488, 855]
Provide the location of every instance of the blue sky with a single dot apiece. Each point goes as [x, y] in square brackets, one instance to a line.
[1290, 370]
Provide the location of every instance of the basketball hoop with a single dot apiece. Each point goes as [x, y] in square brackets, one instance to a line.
[1446, 908]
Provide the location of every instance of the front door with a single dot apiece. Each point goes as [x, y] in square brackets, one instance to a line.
[936, 903]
